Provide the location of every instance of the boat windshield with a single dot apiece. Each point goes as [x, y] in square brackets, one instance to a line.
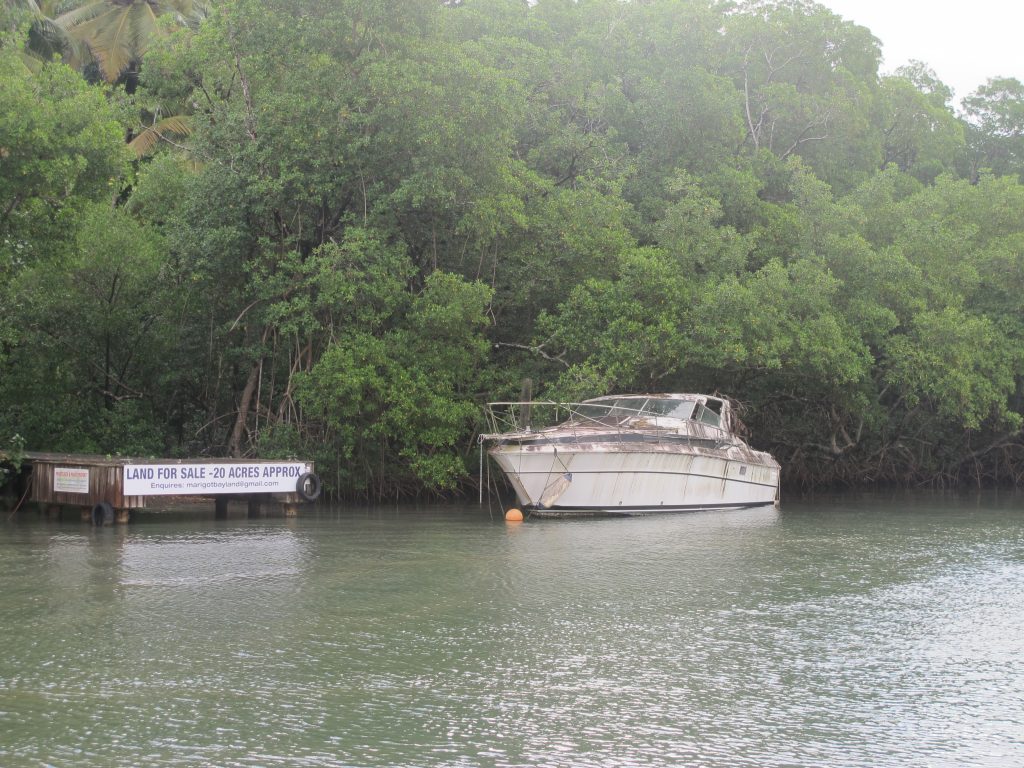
[627, 407]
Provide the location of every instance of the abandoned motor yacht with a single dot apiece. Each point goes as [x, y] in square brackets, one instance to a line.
[629, 454]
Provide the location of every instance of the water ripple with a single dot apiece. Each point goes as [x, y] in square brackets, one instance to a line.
[815, 637]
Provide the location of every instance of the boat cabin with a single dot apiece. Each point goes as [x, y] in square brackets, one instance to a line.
[616, 410]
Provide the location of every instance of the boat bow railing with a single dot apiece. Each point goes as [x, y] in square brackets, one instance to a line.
[525, 416]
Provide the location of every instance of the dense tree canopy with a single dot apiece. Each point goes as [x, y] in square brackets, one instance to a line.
[356, 221]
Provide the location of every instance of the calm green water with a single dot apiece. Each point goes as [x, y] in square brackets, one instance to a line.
[839, 633]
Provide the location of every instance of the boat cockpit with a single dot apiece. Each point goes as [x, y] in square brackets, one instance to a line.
[620, 410]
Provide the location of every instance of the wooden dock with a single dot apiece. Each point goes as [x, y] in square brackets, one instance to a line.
[109, 488]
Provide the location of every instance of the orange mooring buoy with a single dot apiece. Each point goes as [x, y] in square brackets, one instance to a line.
[514, 516]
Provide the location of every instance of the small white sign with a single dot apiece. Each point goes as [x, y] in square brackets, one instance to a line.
[70, 480]
[198, 479]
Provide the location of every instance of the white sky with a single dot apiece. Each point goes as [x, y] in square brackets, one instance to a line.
[966, 43]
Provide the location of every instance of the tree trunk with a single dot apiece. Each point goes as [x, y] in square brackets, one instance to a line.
[235, 443]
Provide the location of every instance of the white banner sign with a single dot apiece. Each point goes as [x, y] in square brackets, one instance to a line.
[70, 480]
[205, 479]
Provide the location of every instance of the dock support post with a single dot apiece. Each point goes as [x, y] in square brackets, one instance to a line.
[220, 508]
[254, 508]
[291, 510]
[122, 515]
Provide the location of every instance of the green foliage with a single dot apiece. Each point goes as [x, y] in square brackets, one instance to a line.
[359, 220]
[921, 135]
[960, 365]
[97, 333]
[11, 457]
[995, 128]
[393, 405]
[61, 145]
[805, 78]
[61, 151]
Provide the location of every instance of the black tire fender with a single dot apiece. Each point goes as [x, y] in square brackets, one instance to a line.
[308, 486]
[103, 514]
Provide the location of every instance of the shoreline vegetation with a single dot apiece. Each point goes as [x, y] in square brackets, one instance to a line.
[336, 230]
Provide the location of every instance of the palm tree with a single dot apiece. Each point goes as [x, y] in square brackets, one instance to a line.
[118, 32]
[46, 38]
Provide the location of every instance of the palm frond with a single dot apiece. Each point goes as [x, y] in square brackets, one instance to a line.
[188, 12]
[108, 38]
[145, 142]
[82, 14]
[117, 33]
[32, 63]
[47, 38]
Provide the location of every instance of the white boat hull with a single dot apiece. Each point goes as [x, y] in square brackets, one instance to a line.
[636, 478]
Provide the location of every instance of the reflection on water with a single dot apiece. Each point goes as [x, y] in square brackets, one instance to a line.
[839, 633]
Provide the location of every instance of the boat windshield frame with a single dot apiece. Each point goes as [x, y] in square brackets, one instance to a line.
[621, 409]
[620, 412]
